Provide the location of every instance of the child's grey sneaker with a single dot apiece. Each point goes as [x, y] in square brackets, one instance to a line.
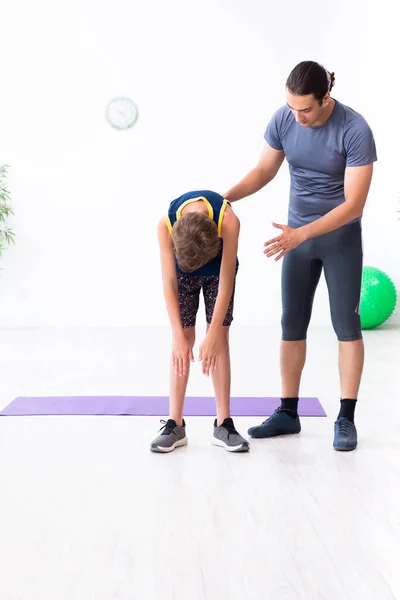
[172, 436]
[227, 437]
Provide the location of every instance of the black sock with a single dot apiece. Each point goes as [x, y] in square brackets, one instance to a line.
[347, 408]
[290, 404]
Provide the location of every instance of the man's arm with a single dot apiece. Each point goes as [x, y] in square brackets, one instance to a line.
[357, 182]
[266, 169]
[168, 269]
[356, 187]
[359, 145]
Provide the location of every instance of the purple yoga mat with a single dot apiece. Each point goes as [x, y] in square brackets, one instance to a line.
[150, 405]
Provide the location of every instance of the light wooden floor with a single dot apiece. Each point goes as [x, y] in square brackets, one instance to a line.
[88, 513]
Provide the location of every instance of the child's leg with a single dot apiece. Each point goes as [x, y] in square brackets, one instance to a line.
[189, 287]
[225, 433]
[178, 383]
[221, 377]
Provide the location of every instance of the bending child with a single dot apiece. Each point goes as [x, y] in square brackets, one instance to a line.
[198, 247]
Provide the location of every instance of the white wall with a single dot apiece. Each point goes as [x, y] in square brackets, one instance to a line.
[206, 77]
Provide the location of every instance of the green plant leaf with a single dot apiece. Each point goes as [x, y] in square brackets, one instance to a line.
[6, 233]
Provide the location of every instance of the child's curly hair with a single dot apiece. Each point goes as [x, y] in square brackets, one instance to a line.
[196, 241]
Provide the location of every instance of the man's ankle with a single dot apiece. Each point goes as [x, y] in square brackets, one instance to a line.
[290, 404]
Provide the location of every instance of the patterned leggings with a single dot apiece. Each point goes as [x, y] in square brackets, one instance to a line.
[189, 287]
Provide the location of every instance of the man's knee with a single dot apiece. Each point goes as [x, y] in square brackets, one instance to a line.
[294, 326]
[347, 327]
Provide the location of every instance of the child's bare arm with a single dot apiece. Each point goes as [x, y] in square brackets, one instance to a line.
[209, 349]
[182, 352]
[168, 269]
[230, 236]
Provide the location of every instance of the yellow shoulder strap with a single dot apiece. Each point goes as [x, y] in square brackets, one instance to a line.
[168, 222]
[182, 206]
[221, 216]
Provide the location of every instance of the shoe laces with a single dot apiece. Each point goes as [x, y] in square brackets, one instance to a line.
[274, 416]
[345, 426]
[230, 428]
[167, 427]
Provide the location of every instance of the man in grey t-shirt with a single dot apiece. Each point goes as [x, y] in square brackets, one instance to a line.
[330, 150]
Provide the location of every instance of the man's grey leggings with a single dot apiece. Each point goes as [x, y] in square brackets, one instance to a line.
[340, 254]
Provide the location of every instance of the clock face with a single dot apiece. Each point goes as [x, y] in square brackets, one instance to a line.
[122, 113]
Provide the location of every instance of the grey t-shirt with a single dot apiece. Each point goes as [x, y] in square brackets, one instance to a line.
[318, 157]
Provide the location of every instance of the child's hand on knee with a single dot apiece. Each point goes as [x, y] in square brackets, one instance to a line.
[208, 354]
[182, 354]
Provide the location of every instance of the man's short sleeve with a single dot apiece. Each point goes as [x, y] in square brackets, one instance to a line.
[272, 134]
[359, 145]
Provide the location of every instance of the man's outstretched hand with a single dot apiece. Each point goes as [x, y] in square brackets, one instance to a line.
[289, 239]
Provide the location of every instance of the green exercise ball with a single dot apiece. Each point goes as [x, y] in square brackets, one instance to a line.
[378, 297]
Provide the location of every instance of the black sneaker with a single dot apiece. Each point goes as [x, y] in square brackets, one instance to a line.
[345, 435]
[282, 422]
